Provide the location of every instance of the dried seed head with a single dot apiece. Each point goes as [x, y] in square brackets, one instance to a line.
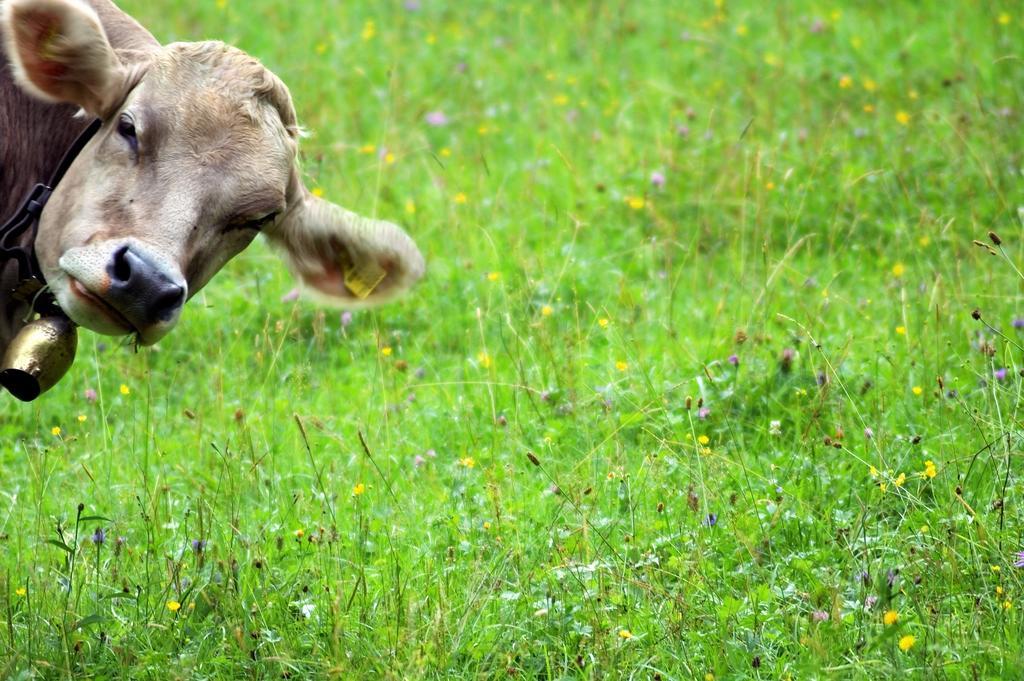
[976, 314]
[689, 402]
[533, 458]
[995, 238]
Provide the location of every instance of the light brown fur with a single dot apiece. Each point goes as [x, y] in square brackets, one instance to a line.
[217, 147]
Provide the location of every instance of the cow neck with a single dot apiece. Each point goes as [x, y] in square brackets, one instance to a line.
[18, 235]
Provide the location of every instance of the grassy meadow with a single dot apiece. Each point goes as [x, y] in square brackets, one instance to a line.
[692, 388]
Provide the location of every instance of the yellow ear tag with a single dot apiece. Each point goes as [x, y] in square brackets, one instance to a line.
[46, 44]
[363, 278]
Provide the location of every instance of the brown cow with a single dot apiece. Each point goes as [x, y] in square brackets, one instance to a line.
[197, 154]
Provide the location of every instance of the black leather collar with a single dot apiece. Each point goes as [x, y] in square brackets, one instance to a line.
[31, 287]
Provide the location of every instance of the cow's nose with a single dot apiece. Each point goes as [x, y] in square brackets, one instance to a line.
[141, 290]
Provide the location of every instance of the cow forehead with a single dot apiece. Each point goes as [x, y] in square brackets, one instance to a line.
[217, 111]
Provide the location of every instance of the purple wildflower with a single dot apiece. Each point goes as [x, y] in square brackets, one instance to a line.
[703, 413]
[436, 119]
[1018, 323]
[418, 460]
[819, 616]
[198, 545]
[711, 520]
[99, 536]
[431, 453]
[869, 602]
[291, 296]
[734, 360]
[890, 577]
[683, 130]
[346, 319]
[1000, 374]
[412, 5]
[868, 433]
[657, 179]
[90, 394]
[1019, 563]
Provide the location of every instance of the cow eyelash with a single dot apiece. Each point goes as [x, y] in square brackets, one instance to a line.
[256, 224]
[126, 129]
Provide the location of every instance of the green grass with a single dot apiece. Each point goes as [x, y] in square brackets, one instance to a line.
[790, 217]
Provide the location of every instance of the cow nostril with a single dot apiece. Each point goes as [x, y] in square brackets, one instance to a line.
[168, 301]
[122, 270]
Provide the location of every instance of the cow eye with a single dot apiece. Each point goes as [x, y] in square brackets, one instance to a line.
[257, 224]
[126, 129]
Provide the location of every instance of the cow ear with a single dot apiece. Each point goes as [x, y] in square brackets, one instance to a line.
[60, 53]
[351, 260]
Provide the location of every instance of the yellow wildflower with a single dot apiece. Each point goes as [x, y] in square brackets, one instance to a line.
[703, 439]
[603, 322]
[546, 311]
[82, 418]
[468, 461]
[487, 525]
[625, 634]
[869, 108]
[484, 359]
[300, 533]
[410, 207]
[358, 489]
[901, 331]
[21, 591]
[621, 366]
[460, 198]
[929, 469]
[560, 100]
[125, 390]
[386, 351]
[318, 192]
[898, 269]
[902, 117]
[493, 276]
[55, 431]
[173, 606]
[917, 390]
[907, 642]
[870, 85]
[845, 82]
[1004, 19]
[367, 149]
[635, 202]
[890, 617]
[369, 29]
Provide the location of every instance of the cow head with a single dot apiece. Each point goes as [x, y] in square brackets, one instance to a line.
[197, 155]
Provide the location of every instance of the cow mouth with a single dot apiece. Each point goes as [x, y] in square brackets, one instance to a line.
[102, 306]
